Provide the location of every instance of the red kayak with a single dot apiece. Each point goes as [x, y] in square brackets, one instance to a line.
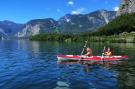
[91, 58]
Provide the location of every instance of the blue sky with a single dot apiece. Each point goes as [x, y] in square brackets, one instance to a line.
[22, 11]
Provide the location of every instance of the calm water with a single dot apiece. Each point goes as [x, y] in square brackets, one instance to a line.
[33, 65]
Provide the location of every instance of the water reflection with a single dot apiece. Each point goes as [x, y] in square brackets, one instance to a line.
[33, 65]
[87, 64]
[100, 75]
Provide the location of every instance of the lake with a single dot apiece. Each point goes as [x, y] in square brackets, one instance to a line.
[33, 65]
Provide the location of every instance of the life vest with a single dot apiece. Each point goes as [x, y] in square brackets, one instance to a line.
[108, 53]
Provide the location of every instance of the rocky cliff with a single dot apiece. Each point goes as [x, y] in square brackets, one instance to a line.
[85, 23]
[37, 26]
[126, 6]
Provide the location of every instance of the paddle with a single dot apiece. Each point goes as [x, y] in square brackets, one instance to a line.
[103, 53]
[83, 48]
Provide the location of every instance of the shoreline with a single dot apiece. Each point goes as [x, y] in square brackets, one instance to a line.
[106, 39]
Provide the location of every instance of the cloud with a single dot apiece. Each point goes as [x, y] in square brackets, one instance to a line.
[116, 8]
[58, 10]
[78, 11]
[70, 3]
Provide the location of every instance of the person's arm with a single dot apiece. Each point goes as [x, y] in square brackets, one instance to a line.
[110, 53]
[88, 53]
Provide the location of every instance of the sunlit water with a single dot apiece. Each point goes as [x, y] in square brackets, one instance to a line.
[33, 65]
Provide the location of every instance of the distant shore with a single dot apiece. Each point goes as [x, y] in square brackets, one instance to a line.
[121, 38]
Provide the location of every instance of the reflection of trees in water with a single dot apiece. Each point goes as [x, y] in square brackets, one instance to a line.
[121, 48]
[126, 76]
[75, 48]
[126, 72]
[124, 46]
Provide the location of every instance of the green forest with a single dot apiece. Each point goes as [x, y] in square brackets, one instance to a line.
[123, 23]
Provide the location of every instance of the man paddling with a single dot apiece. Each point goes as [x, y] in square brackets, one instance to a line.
[89, 52]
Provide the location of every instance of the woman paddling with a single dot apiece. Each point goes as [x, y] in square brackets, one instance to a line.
[89, 52]
[108, 52]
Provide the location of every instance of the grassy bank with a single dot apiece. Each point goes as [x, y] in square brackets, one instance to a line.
[56, 37]
[121, 38]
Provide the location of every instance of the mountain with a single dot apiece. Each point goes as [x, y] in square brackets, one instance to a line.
[37, 26]
[126, 6]
[85, 23]
[9, 28]
[124, 21]
[68, 24]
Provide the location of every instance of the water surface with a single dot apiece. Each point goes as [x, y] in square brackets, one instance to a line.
[33, 65]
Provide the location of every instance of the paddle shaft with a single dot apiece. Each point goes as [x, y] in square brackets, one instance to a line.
[84, 47]
[103, 54]
[103, 51]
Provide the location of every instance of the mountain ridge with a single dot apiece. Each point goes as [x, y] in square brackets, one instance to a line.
[69, 23]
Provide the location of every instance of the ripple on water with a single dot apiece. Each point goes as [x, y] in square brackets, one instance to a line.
[32, 65]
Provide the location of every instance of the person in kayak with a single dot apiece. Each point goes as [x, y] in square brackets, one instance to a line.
[89, 52]
[108, 52]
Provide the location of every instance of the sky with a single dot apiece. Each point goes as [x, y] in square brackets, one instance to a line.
[21, 11]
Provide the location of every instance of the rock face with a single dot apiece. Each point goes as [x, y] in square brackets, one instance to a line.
[37, 26]
[85, 23]
[126, 6]
[68, 24]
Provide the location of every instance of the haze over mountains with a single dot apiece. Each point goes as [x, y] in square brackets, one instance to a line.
[9, 27]
[69, 23]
